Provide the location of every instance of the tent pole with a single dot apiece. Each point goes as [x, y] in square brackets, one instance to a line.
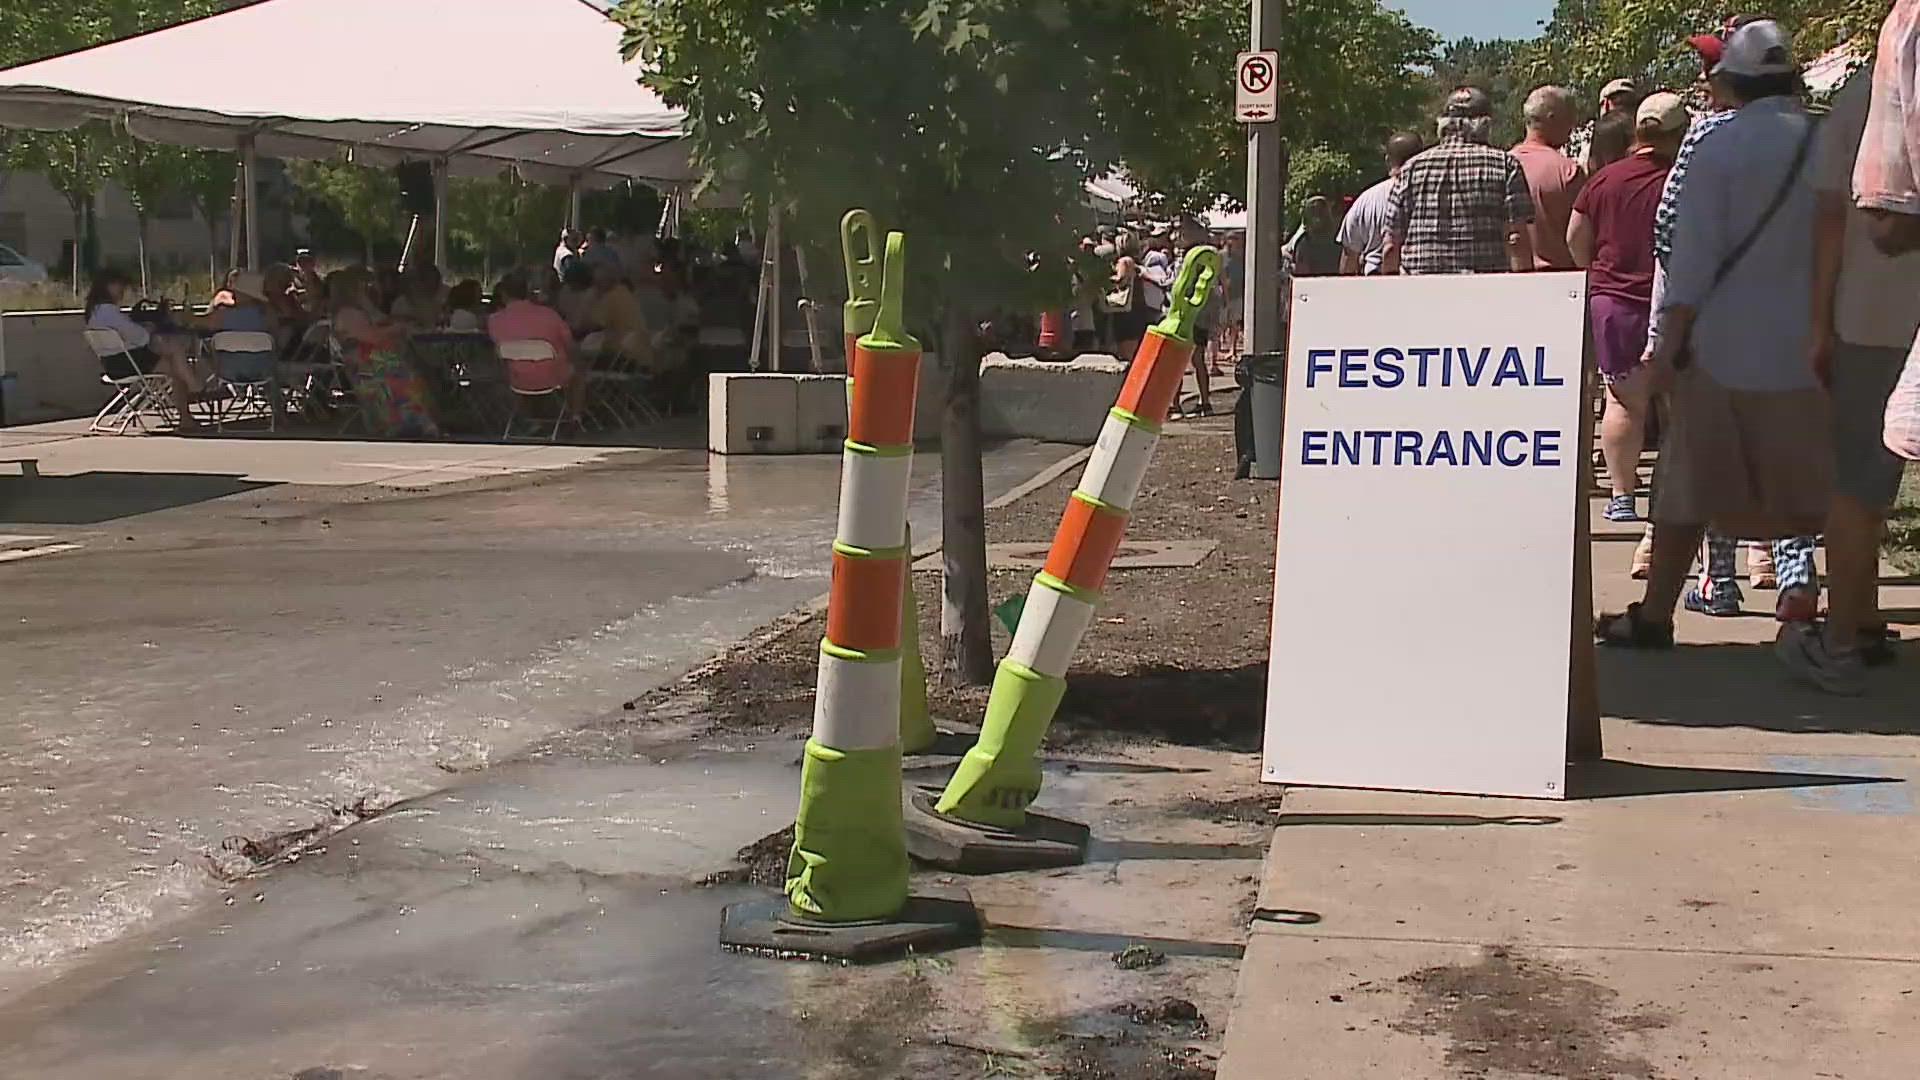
[573, 202]
[250, 169]
[235, 214]
[775, 299]
[756, 357]
[440, 214]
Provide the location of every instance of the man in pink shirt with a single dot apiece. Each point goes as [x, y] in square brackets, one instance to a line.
[1886, 177]
[1553, 177]
[520, 319]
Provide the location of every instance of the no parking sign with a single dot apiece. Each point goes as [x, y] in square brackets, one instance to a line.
[1256, 87]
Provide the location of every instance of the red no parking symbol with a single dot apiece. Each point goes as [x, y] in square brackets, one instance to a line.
[1256, 74]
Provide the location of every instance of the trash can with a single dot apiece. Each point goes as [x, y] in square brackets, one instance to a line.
[1258, 415]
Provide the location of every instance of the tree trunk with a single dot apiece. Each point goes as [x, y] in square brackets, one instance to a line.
[79, 240]
[966, 643]
[140, 237]
[213, 252]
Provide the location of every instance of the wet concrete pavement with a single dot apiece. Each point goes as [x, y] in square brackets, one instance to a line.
[262, 658]
[543, 920]
[538, 921]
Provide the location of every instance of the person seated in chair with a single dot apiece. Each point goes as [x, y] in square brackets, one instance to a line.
[616, 322]
[465, 311]
[518, 318]
[147, 352]
[250, 312]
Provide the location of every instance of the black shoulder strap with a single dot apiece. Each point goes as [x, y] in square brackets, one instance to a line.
[1780, 198]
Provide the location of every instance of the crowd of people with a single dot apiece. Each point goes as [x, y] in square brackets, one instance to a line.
[1754, 294]
[592, 309]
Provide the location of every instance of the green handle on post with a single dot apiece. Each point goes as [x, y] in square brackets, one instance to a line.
[1190, 292]
[889, 328]
[858, 236]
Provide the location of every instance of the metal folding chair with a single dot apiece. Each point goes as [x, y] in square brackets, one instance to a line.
[311, 376]
[620, 389]
[245, 362]
[136, 397]
[526, 380]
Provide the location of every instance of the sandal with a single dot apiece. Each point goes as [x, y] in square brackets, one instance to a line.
[1629, 631]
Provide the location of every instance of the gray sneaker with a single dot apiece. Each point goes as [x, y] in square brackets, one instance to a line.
[1803, 649]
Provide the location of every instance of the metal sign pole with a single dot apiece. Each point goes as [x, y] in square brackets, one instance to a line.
[1265, 337]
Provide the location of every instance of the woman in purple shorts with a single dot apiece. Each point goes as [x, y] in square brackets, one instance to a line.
[1611, 235]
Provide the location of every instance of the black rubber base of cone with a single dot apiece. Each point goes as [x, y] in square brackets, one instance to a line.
[946, 744]
[935, 919]
[966, 848]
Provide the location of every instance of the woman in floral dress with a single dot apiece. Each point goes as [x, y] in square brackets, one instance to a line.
[392, 396]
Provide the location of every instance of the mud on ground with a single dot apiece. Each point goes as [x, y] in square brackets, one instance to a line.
[1152, 746]
[1175, 656]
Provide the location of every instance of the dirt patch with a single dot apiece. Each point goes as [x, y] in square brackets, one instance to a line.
[1511, 1014]
[1248, 809]
[763, 862]
[1138, 958]
[1175, 655]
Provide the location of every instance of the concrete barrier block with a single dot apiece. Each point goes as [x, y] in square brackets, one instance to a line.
[822, 424]
[1053, 402]
[52, 375]
[753, 413]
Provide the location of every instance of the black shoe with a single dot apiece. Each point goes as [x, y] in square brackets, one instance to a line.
[1877, 646]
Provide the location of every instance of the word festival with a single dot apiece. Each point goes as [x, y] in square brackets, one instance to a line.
[1425, 368]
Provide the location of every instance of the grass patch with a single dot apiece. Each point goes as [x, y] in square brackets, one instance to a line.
[1903, 526]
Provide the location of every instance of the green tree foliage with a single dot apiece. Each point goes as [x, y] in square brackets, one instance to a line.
[502, 221]
[1589, 42]
[1349, 78]
[1499, 67]
[1322, 170]
[80, 161]
[366, 200]
[150, 172]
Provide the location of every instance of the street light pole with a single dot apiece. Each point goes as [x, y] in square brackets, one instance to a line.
[1265, 337]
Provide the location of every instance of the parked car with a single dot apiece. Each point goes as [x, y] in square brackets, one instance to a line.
[17, 267]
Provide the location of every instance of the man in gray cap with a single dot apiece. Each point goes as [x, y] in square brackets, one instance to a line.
[1461, 207]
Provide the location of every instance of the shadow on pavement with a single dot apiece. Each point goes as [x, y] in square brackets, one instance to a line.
[1727, 685]
[1416, 820]
[1627, 779]
[1222, 708]
[1025, 937]
[91, 498]
[1106, 851]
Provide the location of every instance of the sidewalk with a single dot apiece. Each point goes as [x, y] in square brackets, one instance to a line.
[1733, 897]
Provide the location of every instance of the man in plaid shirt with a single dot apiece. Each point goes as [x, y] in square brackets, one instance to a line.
[1461, 207]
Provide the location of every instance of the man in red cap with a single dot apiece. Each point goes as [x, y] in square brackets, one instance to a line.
[1718, 593]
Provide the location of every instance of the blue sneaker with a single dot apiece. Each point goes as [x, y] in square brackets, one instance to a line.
[1720, 601]
[1621, 508]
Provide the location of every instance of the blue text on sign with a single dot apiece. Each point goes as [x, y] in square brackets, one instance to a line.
[1428, 449]
[1444, 366]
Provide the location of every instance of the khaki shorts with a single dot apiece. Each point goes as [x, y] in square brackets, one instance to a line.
[1756, 464]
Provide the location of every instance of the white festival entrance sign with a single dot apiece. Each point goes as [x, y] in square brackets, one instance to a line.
[1424, 576]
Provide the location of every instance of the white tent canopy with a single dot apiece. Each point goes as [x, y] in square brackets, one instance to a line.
[474, 86]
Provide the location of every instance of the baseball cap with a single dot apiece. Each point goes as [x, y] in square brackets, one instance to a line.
[1468, 101]
[1618, 86]
[1758, 48]
[1664, 112]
